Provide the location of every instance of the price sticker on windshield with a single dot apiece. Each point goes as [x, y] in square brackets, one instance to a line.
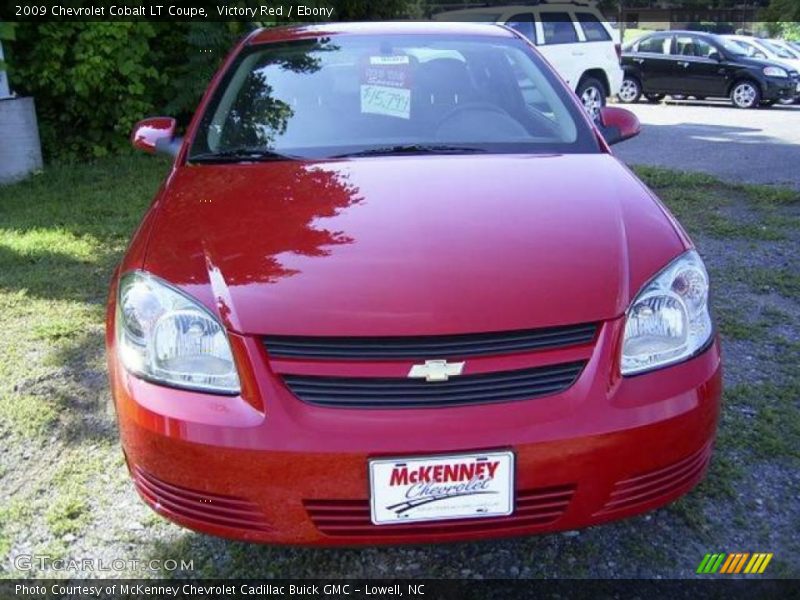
[386, 86]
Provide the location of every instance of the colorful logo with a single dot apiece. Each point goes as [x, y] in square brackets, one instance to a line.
[738, 562]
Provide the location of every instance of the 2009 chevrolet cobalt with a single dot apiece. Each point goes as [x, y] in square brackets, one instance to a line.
[396, 288]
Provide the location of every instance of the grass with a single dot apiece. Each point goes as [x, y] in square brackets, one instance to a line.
[27, 415]
[60, 236]
[719, 485]
[772, 425]
[62, 233]
[67, 515]
[737, 323]
[13, 511]
[703, 204]
[784, 281]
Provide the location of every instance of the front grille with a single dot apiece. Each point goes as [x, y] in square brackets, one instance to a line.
[656, 484]
[428, 347]
[375, 392]
[202, 507]
[351, 518]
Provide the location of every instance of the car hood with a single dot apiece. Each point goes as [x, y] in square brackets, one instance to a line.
[410, 245]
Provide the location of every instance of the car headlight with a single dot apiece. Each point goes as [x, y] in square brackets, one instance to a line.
[775, 72]
[668, 322]
[167, 337]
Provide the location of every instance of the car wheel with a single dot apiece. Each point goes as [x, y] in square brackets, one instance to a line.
[745, 94]
[630, 91]
[593, 96]
[654, 97]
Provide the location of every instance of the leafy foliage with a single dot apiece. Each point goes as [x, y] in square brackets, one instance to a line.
[93, 80]
[357, 10]
[6, 30]
[782, 18]
[6, 33]
[202, 48]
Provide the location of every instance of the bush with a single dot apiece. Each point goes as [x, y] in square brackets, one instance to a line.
[203, 46]
[93, 80]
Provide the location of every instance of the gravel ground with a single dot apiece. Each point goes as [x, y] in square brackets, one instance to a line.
[66, 494]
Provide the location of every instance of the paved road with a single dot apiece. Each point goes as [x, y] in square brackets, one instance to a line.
[753, 146]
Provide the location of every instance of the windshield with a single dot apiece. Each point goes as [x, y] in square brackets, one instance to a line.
[342, 95]
[736, 48]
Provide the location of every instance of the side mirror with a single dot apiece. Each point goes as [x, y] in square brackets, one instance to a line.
[618, 124]
[156, 134]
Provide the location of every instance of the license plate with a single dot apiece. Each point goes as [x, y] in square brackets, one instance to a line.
[435, 488]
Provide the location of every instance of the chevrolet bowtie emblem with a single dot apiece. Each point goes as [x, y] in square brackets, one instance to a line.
[436, 370]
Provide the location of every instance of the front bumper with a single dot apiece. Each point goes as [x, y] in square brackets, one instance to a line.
[775, 88]
[282, 471]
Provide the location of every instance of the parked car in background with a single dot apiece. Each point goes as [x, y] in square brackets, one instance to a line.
[794, 52]
[383, 298]
[575, 38]
[766, 49]
[703, 65]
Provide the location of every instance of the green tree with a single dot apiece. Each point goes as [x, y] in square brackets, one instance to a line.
[6, 34]
[93, 80]
[782, 18]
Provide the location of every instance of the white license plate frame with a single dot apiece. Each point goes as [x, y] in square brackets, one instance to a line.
[451, 492]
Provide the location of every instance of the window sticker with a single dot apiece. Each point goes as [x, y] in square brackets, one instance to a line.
[388, 60]
[386, 86]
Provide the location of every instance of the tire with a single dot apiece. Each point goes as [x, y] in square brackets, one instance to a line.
[592, 95]
[745, 94]
[631, 90]
[654, 98]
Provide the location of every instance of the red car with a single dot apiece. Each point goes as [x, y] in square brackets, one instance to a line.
[396, 288]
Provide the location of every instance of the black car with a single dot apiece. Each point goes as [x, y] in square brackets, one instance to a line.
[703, 65]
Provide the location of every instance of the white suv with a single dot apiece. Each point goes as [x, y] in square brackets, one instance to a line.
[580, 44]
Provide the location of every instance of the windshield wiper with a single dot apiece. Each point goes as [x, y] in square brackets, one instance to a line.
[413, 149]
[235, 155]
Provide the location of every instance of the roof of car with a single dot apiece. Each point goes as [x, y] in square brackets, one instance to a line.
[504, 8]
[291, 32]
[683, 32]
